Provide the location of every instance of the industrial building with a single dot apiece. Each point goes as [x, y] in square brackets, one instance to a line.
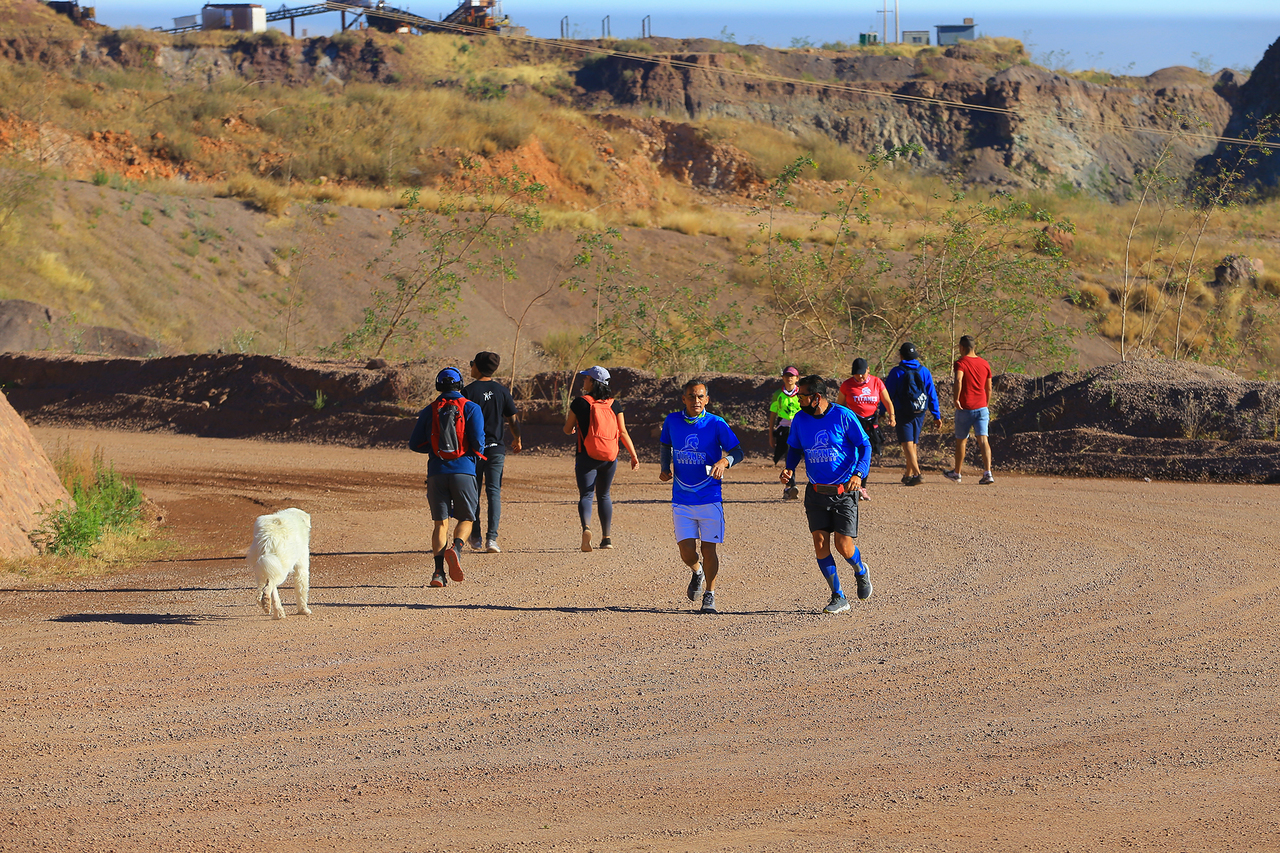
[955, 33]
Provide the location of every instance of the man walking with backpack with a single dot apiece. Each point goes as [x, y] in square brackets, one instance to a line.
[499, 409]
[451, 432]
[910, 386]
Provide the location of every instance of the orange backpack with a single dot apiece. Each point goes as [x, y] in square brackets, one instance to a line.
[600, 439]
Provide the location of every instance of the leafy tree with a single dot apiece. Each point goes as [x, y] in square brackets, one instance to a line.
[983, 268]
[433, 251]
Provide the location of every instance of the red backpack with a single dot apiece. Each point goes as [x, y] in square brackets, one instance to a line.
[600, 439]
[449, 429]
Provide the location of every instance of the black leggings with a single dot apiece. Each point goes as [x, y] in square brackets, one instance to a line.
[595, 477]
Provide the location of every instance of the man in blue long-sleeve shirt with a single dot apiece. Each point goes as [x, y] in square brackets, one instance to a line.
[837, 456]
[451, 468]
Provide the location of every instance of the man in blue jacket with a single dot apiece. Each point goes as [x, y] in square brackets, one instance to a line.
[837, 456]
[451, 445]
[910, 386]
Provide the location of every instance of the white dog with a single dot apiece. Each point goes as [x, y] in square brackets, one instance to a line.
[281, 544]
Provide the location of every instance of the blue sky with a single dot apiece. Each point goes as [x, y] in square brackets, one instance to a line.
[1122, 36]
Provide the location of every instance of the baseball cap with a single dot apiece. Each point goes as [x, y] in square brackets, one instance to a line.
[597, 373]
[907, 351]
[487, 362]
[790, 370]
[859, 365]
[448, 378]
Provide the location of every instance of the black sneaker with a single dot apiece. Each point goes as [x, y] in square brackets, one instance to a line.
[695, 585]
[606, 543]
[709, 602]
[438, 579]
[864, 583]
[914, 481]
[838, 604]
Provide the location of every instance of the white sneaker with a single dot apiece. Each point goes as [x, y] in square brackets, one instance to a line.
[492, 548]
[987, 479]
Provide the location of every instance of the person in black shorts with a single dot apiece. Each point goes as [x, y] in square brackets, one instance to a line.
[836, 455]
[451, 483]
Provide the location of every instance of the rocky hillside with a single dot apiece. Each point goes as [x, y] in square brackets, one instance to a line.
[1022, 125]
[1030, 126]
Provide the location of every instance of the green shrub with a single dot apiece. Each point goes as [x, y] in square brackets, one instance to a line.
[103, 503]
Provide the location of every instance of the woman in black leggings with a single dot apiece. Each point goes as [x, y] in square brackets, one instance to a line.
[594, 475]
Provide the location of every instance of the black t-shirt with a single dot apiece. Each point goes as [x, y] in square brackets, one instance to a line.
[582, 410]
[496, 402]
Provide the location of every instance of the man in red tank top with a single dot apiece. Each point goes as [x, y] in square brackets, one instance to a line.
[971, 396]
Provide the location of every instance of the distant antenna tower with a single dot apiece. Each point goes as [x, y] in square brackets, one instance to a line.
[897, 31]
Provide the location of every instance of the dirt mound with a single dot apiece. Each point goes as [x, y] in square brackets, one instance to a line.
[28, 483]
[224, 396]
[1146, 418]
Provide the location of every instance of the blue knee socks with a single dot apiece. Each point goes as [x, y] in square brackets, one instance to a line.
[827, 565]
[856, 562]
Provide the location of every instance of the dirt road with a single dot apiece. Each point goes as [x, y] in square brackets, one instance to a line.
[1045, 665]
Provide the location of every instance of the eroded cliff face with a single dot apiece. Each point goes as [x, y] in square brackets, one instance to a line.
[1020, 126]
[1256, 117]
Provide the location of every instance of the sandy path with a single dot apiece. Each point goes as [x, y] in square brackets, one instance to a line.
[1045, 665]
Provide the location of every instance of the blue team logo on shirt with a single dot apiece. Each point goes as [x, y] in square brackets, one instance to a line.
[822, 451]
[689, 454]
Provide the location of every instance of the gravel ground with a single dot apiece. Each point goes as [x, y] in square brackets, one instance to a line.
[1046, 664]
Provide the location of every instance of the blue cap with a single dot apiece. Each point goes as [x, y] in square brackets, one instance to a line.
[448, 379]
[597, 373]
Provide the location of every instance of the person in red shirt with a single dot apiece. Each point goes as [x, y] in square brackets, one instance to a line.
[865, 396]
[971, 396]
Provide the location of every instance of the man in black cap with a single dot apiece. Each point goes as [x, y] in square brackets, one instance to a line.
[499, 409]
[911, 388]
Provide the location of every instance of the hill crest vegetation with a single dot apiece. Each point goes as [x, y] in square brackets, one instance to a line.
[321, 141]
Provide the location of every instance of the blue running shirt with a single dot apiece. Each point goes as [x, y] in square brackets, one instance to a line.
[694, 446]
[834, 445]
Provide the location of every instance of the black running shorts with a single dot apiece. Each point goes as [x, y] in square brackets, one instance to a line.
[453, 496]
[832, 513]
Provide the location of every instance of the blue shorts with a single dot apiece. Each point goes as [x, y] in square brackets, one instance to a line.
[975, 419]
[704, 522]
[909, 430]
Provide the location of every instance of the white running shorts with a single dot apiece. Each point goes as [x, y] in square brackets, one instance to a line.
[704, 522]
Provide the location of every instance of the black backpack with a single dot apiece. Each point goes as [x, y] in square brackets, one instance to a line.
[915, 395]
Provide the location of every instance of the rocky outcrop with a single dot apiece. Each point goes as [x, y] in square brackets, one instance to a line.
[1256, 118]
[1021, 126]
[28, 483]
[679, 150]
[28, 326]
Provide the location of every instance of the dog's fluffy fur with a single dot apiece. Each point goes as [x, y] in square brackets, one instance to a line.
[281, 544]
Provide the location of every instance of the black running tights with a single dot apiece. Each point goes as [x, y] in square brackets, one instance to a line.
[595, 477]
